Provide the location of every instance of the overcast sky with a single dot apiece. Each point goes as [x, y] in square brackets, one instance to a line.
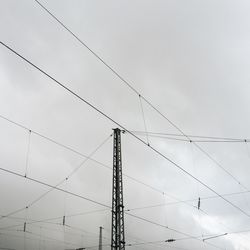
[189, 58]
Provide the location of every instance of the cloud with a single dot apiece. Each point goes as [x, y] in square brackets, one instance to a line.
[189, 58]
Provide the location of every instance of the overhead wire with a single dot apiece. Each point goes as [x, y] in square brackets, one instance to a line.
[111, 119]
[137, 93]
[48, 220]
[94, 202]
[217, 220]
[121, 126]
[48, 239]
[196, 138]
[67, 147]
[210, 236]
[127, 210]
[201, 149]
[171, 229]
[130, 177]
[129, 85]
[110, 168]
[156, 242]
[144, 242]
[49, 229]
[53, 239]
[87, 47]
[60, 182]
[58, 231]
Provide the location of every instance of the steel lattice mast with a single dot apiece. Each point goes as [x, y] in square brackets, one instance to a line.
[118, 237]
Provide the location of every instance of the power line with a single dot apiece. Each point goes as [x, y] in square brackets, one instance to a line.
[200, 210]
[130, 86]
[65, 231]
[88, 48]
[92, 201]
[178, 201]
[52, 239]
[54, 187]
[216, 236]
[121, 126]
[210, 157]
[80, 154]
[210, 236]
[133, 89]
[219, 165]
[204, 237]
[158, 241]
[198, 146]
[18, 124]
[186, 202]
[61, 182]
[138, 208]
[83, 155]
[133, 244]
[178, 137]
[73, 228]
[32, 221]
[37, 239]
[210, 138]
[137, 92]
[192, 206]
[169, 228]
[108, 117]
[47, 220]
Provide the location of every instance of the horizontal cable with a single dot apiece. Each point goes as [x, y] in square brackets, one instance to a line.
[121, 126]
[110, 168]
[175, 136]
[128, 84]
[87, 158]
[92, 201]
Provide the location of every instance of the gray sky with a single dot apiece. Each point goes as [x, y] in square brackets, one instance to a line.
[189, 58]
